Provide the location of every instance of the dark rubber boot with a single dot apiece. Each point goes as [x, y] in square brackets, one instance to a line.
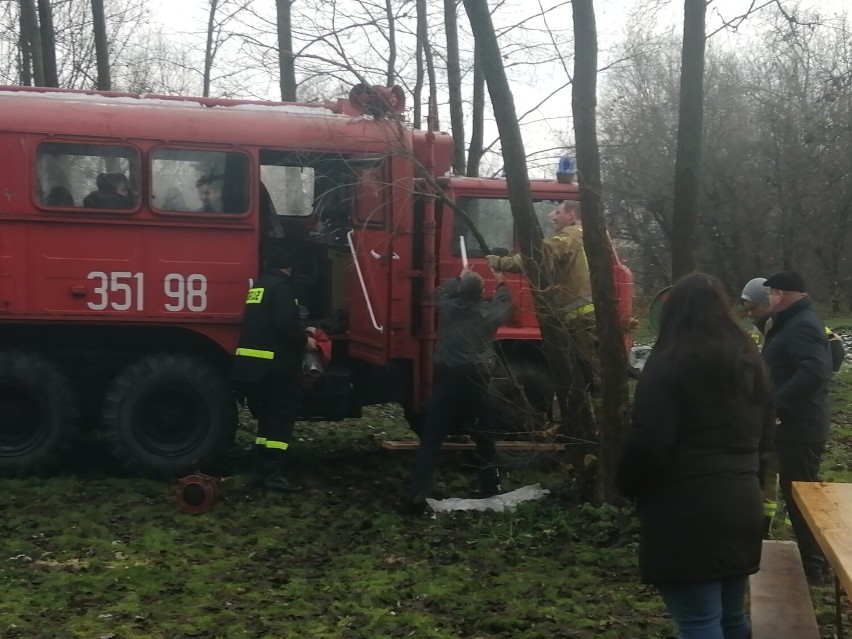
[489, 482]
[278, 482]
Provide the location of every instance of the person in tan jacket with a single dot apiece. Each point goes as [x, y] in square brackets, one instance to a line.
[570, 292]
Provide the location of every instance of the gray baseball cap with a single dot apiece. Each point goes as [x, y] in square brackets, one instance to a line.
[755, 292]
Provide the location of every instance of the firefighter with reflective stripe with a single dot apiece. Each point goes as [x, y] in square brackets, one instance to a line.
[566, 267]
[755, 301]
[268, 364]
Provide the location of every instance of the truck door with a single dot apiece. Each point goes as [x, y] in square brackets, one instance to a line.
[371, 245]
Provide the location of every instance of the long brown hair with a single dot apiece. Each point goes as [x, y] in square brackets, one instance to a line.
[709, 350]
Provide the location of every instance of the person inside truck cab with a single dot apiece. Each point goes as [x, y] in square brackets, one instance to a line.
[210, 193]
[113, 192]
[59, 196]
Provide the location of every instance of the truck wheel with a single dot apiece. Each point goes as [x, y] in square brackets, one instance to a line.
[38, 414]
[167, 415]
[522, 398]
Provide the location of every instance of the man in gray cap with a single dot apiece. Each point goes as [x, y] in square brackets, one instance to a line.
[755, 301]
[797, 354]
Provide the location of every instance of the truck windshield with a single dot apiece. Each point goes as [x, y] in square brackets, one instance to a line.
[492, 217]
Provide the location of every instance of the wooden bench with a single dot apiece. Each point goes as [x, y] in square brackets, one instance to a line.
[413, 444]
[781, 606]
[827, 509]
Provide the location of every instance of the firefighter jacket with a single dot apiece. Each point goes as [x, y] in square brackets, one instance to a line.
[565, 267]
[272, 339]
[799, 360]
[466, 327]
[691, 463]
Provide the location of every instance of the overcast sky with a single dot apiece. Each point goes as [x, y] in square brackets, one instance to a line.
[613, 18]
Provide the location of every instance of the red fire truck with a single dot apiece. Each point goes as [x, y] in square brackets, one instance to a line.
[131, 227]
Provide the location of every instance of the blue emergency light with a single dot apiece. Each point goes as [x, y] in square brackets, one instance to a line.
[567, 170]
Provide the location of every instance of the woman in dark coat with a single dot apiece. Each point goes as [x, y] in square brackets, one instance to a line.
[701, 416]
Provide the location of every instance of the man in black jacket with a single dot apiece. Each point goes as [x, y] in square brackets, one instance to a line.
[464, 362]
[268, 364]
[799, 360]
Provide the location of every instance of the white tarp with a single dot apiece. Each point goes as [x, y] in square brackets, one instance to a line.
[497, 503]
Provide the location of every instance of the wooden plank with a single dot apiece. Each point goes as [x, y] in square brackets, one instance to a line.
[413, 444]
[781, 606]
[827, 508]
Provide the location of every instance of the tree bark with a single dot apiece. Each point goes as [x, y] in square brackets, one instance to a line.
[209, 50]
[101, 45]
[286, 59]
[454, 85]
[689, 136]
[391, 69]
[477, 125]
[48, 43]
[612, 421]
[29, 26]
[420, 70]
[25, 58]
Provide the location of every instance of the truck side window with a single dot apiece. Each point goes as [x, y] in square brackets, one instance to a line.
[93, 176]
[188, 180]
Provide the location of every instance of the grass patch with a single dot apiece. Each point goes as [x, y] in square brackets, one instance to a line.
[92, 555]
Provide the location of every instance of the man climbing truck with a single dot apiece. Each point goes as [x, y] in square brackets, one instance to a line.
[125, 319]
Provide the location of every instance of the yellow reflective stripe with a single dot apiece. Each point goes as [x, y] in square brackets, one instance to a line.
[255, 296]
[277, 445]
[583, 310]
[260, 441]
[253, 352]
[770, 508]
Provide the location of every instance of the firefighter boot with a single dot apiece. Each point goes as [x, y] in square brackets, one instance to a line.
[278, 482]
[489, 481]
[270, 472]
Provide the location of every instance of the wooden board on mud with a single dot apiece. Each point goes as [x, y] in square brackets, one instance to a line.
[413, 444]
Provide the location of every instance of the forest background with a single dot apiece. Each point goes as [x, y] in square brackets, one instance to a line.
[775, 190]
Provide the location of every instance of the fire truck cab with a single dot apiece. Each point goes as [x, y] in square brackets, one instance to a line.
[132, 226]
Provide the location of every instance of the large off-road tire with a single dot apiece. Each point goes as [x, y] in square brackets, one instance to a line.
[167, 415]
[39, 415]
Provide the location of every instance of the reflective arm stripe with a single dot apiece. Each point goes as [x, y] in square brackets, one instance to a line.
[253, 352]
[770, 508]
[579, 312]
[277, 445]
[260, 441]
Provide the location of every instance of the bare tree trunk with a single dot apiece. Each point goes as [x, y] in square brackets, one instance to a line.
[101, 45]
[29, 26]
[477, 126]
[558, 342]
[48, 43]
[419, 54]
[286, 59]
[433, 123]
[454, 82]
[25, 59]
[689, 135]
[391, 74]
[209, 52]
[614, 406]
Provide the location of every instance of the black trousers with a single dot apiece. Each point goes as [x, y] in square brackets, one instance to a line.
[459, 402]
[274, 402]
[799, 461]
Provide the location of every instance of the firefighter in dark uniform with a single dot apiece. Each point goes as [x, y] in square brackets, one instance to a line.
[268, 365]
